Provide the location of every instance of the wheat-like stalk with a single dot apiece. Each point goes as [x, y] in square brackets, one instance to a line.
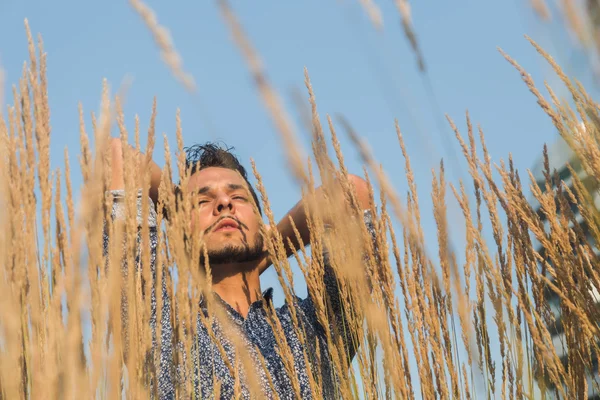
[164, 42]
[422, 317]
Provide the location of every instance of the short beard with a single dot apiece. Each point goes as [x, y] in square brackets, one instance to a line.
[236, 254]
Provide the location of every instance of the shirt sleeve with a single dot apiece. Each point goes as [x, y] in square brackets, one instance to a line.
[165, 388]
[338, 322]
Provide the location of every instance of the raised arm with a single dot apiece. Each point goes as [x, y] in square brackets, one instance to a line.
[162, 332]
[117, 171]
[337, 318]
[299, 215]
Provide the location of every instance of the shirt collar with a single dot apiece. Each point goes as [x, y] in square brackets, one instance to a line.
[267, 297]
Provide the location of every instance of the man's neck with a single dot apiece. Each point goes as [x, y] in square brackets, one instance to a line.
[238, 285]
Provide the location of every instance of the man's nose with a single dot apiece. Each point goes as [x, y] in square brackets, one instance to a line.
[224, 203]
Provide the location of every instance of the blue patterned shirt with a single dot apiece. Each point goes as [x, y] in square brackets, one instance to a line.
[210, 372]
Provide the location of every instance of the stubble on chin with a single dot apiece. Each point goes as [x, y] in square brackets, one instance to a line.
[236, 253]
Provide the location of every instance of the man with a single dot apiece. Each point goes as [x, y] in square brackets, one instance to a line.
[225, 216]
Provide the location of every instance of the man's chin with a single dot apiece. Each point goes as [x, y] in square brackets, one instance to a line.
[233, 255]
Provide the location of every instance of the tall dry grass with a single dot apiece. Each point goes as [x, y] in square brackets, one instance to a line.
[425, 325]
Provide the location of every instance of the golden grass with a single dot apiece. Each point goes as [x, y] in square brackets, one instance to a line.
[541, 8]
[162, 38]
[424, 324]
[374, 13]
[405, 17]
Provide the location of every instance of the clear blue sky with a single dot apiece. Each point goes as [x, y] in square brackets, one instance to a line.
[370, 77]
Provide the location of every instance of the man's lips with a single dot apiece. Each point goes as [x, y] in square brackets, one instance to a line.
[226, 225]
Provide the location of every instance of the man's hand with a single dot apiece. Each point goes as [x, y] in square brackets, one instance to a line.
[117, 173]
[299, 215]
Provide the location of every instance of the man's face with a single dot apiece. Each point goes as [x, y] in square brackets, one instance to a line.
[224, 214]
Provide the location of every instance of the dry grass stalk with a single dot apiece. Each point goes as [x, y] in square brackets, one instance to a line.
[541, 8]
[164, 42]
[269, 95]
[374, 13]
[405, 17]
[399, 314]
[574, 19]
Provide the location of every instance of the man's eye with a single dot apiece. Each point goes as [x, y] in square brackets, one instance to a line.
[239, 198]
[200, 202]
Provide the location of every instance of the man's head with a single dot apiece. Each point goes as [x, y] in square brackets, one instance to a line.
[224, 202]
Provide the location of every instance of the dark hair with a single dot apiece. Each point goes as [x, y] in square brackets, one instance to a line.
[200, 156]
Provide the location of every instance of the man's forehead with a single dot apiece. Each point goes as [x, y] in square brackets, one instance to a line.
[216, 177]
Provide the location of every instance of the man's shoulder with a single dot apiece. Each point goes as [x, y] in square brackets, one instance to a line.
[118, 208]
[303, 307]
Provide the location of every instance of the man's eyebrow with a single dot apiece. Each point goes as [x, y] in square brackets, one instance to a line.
[234, 186]
[203, 190]
[231, 186]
